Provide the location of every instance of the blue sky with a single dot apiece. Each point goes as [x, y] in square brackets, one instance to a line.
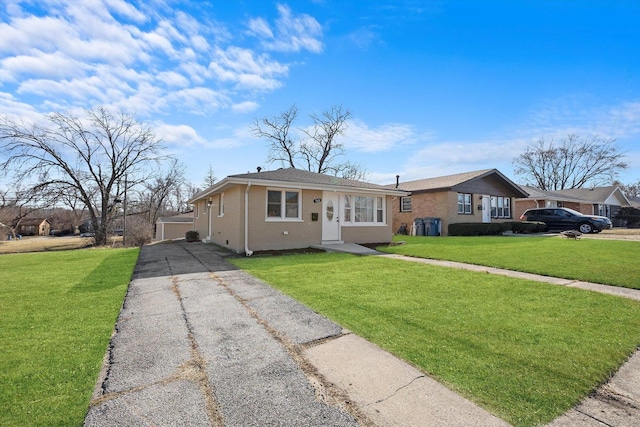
[434, 87]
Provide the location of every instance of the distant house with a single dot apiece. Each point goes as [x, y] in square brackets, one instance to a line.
[292, 208]
[34, 227]
[482, 196]
[174, 227]
[604, 201]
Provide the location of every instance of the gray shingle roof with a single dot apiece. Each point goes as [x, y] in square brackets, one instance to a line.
[305, 177]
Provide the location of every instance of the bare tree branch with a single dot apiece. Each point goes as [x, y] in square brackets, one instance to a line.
[318, 151]
[574, 163]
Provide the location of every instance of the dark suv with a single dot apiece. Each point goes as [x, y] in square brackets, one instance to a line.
[567, 219]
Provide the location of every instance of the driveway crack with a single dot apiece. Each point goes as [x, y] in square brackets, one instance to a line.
[195, 368]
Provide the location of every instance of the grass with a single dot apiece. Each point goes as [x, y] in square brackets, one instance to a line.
[611, 262]
[58, 311]
[526, 351]
[33, 244]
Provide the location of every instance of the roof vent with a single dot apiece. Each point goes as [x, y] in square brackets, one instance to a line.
[397, 181]
[259, 169]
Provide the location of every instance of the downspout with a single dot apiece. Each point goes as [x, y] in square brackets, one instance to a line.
[247, 251]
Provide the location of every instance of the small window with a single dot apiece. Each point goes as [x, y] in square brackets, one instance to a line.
[405, 204]
[221, 205]
[379, 210]
[464, 203]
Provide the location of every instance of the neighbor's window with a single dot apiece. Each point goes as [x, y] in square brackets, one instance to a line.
[405, 204]
[283, 204]
[464, 203]
[500, 207]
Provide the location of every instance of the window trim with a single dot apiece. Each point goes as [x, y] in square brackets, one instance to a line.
[283, 205]
[464, 204]
[402, 203]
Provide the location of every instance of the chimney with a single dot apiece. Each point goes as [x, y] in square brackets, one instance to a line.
[259, 169]
[397, 181]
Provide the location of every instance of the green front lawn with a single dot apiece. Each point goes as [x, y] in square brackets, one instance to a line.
[611, 262]
[527, 351]
[58, 312]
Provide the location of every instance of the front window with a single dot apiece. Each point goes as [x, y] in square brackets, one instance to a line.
[363, 210]
[464, 203]
[500, 207]
[405, 204]
[283, 204]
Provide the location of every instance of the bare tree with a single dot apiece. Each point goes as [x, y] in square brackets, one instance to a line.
[319, 147]
[573, 163]
[154, 198]
[92, 157]
[630, 190]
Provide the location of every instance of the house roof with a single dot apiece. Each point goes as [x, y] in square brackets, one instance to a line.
[185, 217]
[593, 195]
[449, 182]
[26, 222]
[537, 194]
[596, 194]
[298, 178]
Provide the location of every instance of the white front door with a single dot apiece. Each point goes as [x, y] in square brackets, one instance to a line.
[486, 208]
[330, 217]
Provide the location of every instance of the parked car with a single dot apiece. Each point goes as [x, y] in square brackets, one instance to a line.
[567, 219]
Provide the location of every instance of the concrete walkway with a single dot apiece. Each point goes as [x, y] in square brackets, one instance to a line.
[201, 343]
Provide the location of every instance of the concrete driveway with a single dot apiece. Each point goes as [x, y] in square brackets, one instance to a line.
[200, 343]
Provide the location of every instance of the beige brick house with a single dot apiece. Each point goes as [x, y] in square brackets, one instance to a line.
[479, 196]
[293, 208]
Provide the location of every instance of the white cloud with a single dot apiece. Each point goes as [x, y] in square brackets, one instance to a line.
[383, 138]
[260, 28]
[245, 107]
[293, 33]
[112, 52]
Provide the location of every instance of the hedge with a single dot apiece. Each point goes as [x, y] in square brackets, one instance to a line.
[494, 228]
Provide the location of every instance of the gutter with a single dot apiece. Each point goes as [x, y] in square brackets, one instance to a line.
[247, 251]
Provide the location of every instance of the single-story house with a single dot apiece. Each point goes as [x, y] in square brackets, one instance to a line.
[34, 227]
[292, 209]
[603, 201]
[482, 196]
[174, 227]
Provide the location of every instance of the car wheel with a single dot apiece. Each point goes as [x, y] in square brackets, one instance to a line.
[585, 228]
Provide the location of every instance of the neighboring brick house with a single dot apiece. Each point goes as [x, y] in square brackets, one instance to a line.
[174, 227]
[480, 196]
[290, 209]
[604, 201]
